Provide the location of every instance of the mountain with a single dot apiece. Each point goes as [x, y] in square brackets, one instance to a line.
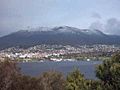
[63, 35]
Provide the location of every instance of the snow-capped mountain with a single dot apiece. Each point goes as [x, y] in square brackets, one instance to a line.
[67, 29]
[64, 35]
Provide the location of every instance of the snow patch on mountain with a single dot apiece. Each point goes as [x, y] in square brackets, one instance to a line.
[65, 29]
[91, 32]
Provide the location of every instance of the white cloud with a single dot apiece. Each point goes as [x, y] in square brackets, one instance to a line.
[96, 25]
[111, 26]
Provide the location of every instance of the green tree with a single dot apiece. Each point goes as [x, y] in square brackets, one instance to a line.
[109, 73]
[93, 85]
[75, 81]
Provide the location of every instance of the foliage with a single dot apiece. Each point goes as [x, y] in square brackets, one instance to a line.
[51, 80]
[109, 73]
[75, 81]
[12, 79]
[8, 74]
[93, 85]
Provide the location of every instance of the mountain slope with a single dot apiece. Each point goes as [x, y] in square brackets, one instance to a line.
[58, 35]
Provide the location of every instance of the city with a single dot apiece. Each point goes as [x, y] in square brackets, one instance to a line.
[59, 53]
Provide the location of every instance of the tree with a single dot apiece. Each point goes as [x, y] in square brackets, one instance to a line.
[93, 85]
[12, 79]
[51, 80]
[109, 73]
[8, 73]
[75, 81]
[26, 83]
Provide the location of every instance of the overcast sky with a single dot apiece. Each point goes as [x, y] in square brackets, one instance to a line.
[96, 14]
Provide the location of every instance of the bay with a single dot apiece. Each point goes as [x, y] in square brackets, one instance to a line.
[36, 68]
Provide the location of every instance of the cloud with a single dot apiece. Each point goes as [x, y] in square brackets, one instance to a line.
[96, 25]
[96, 15]
[111, 26]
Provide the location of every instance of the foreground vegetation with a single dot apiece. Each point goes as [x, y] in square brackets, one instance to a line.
[108, 73]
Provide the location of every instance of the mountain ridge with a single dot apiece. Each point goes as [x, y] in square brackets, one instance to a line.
[63, 35]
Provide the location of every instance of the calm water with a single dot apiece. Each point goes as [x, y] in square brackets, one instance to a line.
[36, 68]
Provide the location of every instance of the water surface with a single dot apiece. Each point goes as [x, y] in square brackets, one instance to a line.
[36, 68]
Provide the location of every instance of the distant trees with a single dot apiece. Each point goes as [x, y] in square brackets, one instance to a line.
[108, 74]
